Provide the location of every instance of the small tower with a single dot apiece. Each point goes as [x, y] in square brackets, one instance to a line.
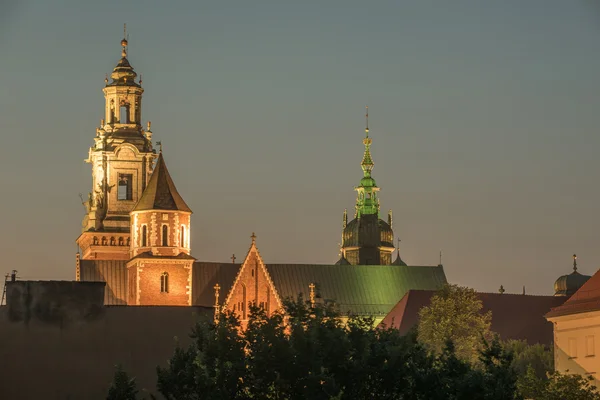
[367, 239]
[567, 285]
[160, 269]
[121, 157]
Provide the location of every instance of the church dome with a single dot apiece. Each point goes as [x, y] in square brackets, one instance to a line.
[567, 285]
[368, 230]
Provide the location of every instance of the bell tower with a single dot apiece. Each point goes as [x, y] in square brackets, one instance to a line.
[122, 158]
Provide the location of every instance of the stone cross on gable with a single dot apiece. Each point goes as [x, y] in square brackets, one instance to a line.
[253, 237]
[233, 258]
[312, 294]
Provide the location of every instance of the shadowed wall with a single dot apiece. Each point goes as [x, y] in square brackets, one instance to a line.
[57, 341]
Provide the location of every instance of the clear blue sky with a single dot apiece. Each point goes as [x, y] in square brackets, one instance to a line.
[484, 117]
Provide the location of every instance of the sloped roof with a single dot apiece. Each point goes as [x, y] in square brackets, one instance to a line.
[359, 289]
[514, 316]
[586, 299]
[110, 271]
[206, 275]
[160, 193]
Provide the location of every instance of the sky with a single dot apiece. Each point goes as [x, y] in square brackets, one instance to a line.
[483, 116]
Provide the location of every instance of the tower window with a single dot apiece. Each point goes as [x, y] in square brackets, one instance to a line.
[125, 189]
[182, 238]
[124, 115]
[144, 236]
[164, 283]
[165, 235]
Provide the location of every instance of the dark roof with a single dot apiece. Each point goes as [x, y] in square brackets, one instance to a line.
[180, 256]
[206, 275]
[398, 260]
[359, 289]
[587, 298]
[368, 230]
[113, 272]
[514, 316]
[161, 194]
[342, 261]
[567, 285]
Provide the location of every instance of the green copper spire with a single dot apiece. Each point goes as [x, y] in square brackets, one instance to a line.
[367, 201]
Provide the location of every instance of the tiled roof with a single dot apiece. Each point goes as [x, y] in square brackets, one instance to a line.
[112, 272]
[587, 298]
[359, 289]
[206, 275]
[161, 194]
[514, 316]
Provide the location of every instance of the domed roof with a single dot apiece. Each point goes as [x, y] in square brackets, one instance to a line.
[567, 285]
[123, 74]
[368, 230]
[368, 182]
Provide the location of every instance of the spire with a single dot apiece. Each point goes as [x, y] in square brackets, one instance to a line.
[367, 162]
[124, 42]
[123, 74]
[398, 260]
[367, 201]
[161, 194]
[574, 262]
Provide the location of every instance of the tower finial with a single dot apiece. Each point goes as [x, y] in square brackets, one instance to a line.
[367, 120]
[575, 262]
[441, 257]
[124, 41]
[253, 237]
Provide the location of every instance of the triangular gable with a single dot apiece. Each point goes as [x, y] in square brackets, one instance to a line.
[252, 283]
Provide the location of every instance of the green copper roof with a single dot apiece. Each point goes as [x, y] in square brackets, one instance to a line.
[367, 202]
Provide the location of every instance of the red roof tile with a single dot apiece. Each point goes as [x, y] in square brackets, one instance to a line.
[514, 316]
[587, 298]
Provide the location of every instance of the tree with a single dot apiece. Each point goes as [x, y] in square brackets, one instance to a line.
[558, 386]
[454, 314]
[537, 356]
[123, 387]
[307, 352]
[213, 367]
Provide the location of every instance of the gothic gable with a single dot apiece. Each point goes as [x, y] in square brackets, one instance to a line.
[252, 285]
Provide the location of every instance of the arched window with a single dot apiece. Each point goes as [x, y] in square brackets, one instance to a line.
[165, 235]
[164, 283]
[182, 238]
[124, 114]
[144, 236]
[245, 307]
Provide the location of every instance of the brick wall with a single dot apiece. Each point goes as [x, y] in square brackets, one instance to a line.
[154, 222]
[252, 286]
[178, 290]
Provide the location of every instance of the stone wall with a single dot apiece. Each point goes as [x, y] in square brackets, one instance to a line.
[57, 341]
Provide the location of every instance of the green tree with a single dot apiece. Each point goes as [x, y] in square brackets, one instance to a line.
[537, 356]
[454, 314]
[558, 386]
[213, 367]
[309, 353]
[123, 387]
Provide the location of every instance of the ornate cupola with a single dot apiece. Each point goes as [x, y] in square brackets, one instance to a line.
[367, 239]
[121, 157]
[567, 285]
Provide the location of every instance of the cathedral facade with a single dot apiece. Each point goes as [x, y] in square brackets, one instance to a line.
[136, 234]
